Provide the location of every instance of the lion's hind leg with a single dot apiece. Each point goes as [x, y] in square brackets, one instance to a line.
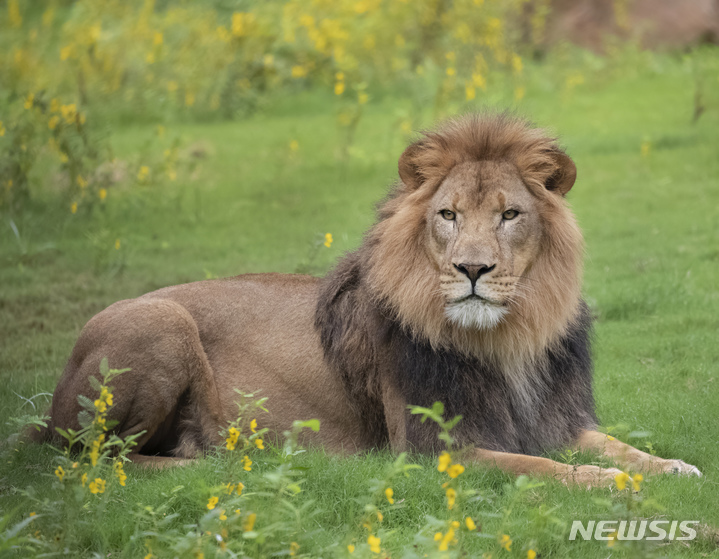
[169, 394]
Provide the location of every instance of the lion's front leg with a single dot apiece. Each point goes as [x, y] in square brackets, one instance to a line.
[523, 464]
[632, 458]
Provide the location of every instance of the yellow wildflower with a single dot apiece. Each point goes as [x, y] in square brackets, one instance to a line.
[223, 516]
[374, 543]
[328, 240]
[212, 502]
[479, 81]
[636, 482]
[380, 516]
[105, 399]
[451, 498]
[351, 548]
[451, 71]
[444, 461]
[68, 112]
[299, 71]
[471, 526]
[233, 436]
[621, 480]
[646, 148]
[13, 9]
[60, 473]
[506, 542]
[82, 183]
[446, 540]
[117, 244]
[469, 92]
[438, 536]
[75, 465]
[240, 22]
[531, 554]
[83, 479]
[611, 539]
[294, 145]
[249, 523]
[253, 426]
[609, 437]
[120, 473]
[339, 88]
[53, 122]
[294, 546]
[454, 470]
[102, 193]
[517, 64]
[29, 101]
[246, 463]
[97, 486]
[144, 173]
[95, 451]
[260, 444]
[389, 493]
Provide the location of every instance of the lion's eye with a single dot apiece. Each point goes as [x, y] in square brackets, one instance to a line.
[448, 215]
[510, 214]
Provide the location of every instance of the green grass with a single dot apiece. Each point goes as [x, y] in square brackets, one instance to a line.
[652, 233]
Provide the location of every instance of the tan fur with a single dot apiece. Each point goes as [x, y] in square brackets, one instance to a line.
[541, 312]
[190, 346]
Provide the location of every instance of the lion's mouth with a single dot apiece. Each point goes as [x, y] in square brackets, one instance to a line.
[475, 296]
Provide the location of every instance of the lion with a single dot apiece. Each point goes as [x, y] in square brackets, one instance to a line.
[467, 290]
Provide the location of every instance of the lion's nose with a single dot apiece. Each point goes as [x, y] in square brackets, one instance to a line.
[474, 271]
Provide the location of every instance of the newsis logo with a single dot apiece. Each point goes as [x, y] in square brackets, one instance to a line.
[606, 530]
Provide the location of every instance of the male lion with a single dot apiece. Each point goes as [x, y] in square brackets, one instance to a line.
[465, 291]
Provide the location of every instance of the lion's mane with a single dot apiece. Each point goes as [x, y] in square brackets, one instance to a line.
[523, 386]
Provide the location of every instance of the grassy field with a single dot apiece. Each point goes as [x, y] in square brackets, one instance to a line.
[647, 198]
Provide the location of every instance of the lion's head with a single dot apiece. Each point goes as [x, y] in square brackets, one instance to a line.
[476, 248]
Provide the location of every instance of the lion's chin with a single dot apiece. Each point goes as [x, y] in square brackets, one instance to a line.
[475, 313]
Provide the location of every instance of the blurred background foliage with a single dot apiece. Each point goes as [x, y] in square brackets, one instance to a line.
[70, 71]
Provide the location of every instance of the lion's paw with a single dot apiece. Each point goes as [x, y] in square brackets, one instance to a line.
[679, 467]
[591, 476]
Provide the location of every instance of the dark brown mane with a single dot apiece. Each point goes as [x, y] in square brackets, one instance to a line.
[377, 321]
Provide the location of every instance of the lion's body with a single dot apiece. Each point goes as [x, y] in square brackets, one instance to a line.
[191, 344]
[465, 291]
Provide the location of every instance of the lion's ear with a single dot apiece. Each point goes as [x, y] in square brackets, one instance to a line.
[564, 175]
[409, 169]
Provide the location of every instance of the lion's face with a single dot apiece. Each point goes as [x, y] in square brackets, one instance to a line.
[484, 232]
[475, 248]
